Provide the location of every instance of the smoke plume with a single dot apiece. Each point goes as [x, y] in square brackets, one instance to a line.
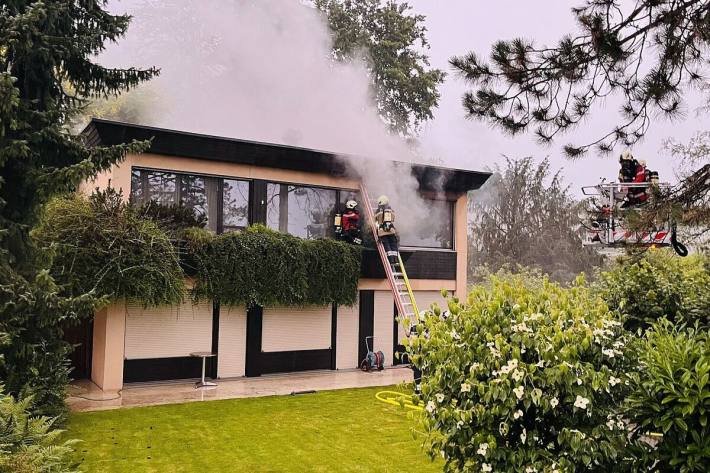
[263, 70]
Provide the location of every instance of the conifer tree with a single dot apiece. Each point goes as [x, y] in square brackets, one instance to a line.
[46, 71]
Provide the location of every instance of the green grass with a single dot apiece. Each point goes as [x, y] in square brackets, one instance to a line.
[344, 430]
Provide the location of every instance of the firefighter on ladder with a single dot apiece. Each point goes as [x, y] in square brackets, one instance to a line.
[384, 217]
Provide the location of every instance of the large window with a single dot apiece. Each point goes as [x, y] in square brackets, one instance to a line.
[306, 212]
[196, 192]
[433, 230]
[235, 205]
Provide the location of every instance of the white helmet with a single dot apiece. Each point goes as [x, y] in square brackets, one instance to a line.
[383, 200]
[626, 155]
[350, 204]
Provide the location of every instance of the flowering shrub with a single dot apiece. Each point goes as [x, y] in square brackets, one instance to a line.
[524, 376]
[671, 396]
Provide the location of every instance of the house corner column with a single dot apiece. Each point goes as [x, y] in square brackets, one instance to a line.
[108, 347]
[461, 239]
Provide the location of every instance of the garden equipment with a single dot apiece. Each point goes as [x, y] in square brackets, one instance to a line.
[398, 399]
[374, 359]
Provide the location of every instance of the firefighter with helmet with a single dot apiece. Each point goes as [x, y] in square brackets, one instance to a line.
[351, 223]
[384, 218]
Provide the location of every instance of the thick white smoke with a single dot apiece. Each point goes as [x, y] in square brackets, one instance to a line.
[263, 70]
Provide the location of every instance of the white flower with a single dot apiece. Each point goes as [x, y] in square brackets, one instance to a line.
[530, 470]
[454, 334]
[430, 406]
[465, 388]
[440, 398]
[517, 375]
[608, 352]
[579, 382]
[620, 424]
[486, 467]
[614, 381]
[517, 414]
[482, 449]
[513, 363]
[524, 435]
[519, 392]
[474, 367]
[611, 424]
[581, 402]
[540, 364]
[459, 424]
[554, 402]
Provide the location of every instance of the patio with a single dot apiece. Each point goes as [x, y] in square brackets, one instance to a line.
[85, 396]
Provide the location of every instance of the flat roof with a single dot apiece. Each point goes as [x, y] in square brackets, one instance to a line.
[100, 132]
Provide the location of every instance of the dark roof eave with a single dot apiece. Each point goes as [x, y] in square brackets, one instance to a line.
[193, 145]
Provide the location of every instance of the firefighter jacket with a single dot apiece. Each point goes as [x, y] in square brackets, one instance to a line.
[384, 216]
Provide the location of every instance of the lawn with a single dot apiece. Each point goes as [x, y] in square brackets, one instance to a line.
[345, 430]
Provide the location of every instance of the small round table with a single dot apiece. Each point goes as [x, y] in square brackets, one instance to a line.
[204, 355]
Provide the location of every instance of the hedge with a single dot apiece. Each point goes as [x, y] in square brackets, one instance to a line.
[104, 245]
[263, 267]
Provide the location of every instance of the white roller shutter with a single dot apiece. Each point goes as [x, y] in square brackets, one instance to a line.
[424, 301]
[290, 328]
[231, 361]
[168, 331]
[347, 338]
[384, 324]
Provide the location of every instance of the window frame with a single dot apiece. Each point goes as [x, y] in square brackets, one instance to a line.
[336, 204]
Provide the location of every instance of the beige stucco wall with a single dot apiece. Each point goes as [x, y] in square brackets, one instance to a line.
[461, 243]
[384, 324]
[293, 328]
[168, 331]
[107, 350]
[347, 337]
[231, 361]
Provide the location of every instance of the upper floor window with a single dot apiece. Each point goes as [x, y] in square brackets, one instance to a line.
[306, 212]
[235, 205]
[196, 192]
[434, 230]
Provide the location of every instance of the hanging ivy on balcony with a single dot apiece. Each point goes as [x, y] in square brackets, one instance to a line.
[104, 245]
[263, 267]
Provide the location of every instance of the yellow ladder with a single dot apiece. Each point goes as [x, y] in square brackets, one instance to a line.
[396, 274]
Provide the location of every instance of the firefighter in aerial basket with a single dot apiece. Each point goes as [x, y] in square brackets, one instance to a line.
[385, 228]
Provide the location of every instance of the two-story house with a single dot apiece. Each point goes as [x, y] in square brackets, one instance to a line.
[235, 183]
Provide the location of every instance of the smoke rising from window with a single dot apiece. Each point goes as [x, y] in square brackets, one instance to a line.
[263, 70]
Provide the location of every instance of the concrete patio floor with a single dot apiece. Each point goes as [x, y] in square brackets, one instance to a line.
[86, 396]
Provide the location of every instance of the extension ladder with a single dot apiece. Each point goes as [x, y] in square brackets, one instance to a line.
[396, 274]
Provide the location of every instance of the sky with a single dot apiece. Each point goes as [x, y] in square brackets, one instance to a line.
[262, 73]
[456, 27]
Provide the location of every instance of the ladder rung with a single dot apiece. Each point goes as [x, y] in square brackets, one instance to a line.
[397, 274]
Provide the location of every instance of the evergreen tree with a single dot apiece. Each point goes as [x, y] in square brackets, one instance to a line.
[404, 84]
[649, 52]
[46, 51]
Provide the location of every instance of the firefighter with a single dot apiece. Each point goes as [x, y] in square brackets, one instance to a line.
[384, 217]
[351, 223]
[628, 167]
[638, 194]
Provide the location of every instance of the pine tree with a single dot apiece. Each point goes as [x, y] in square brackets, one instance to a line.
[46, 71]
[648, 52]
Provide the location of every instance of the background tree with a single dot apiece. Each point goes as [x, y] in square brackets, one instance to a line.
[648, 54]
[45, 46]
[393, 41]
[525, 216]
